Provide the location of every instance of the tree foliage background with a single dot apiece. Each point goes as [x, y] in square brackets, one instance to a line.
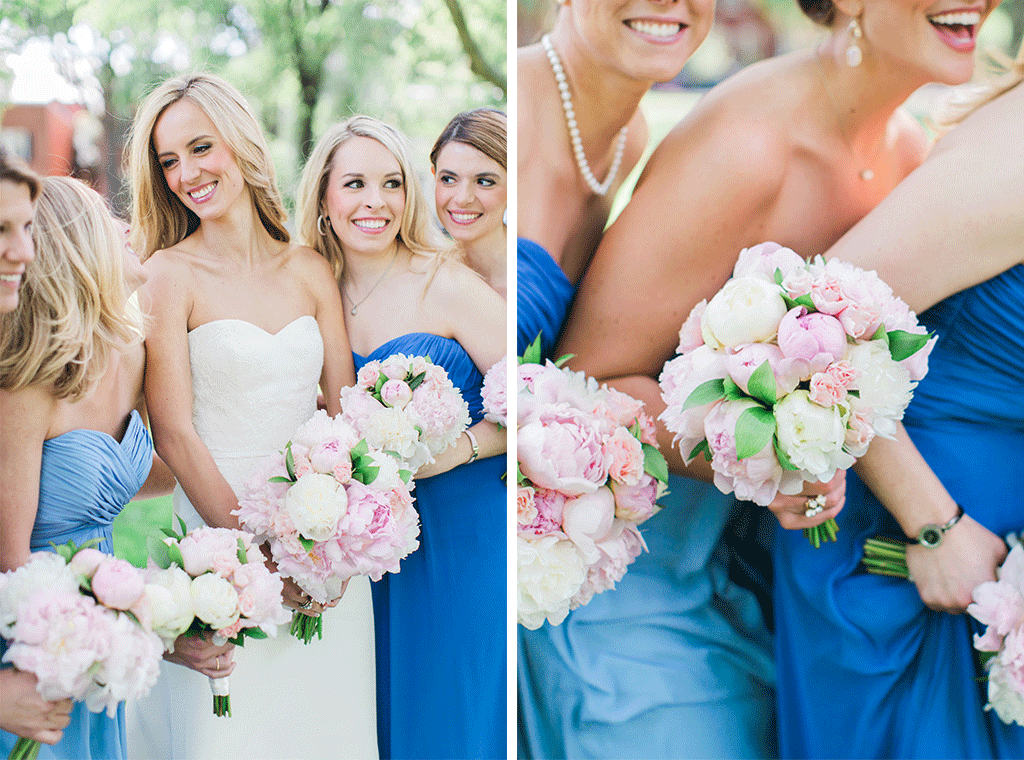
[302, 64]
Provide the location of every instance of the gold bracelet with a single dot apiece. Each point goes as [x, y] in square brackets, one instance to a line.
[472, 442]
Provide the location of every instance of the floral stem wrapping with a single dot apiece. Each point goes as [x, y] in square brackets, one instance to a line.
[221, 696]
[25, 749]
[305, 627]
[885, 556]
[789, 372]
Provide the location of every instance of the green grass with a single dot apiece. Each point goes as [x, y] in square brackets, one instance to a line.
[136, 521]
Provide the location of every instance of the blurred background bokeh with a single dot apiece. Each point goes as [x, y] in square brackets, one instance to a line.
[73, 73]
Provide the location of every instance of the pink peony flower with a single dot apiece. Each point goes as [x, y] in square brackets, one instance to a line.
[764, 259]
[117, 584]
[755, 478]
[87, 560]
[588, 519]
[560, 448]
[636, 502]
[808, 336]
[690, 336]
[396, 393]
[495, 393]
[742, 364]
[625, 457]
[679, 378]
[648, 430]
[547, 507]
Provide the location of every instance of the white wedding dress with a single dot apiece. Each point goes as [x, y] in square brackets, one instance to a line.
[251, 390]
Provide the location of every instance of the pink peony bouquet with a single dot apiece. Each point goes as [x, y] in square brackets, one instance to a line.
[79, 620]
[405, 405]
[212, 580]
[789, 372]
[589, 473]
[495, 393]
[331, 507]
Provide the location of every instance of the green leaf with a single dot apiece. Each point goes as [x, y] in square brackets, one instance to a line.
[807, 302]
[254, 633]
[417, 381]
[182, 527]
[360, 449]
[634, 429]
[157, 551]
[881, 334]
[778, 277]
[307, 543]
[174, 553]
[280, 479]
[66, 551]
[762, 384]
[532, 353]
[701, 448]
[381, 379]
[903, 344]
[561, 360]
[754, 429]
[242, 556]
[705, 393]
[521, 479]
[732, 391]
[654, 463]
[405, 475]
[289, 460]
[782, 456]
[171, 533]
[369, 474]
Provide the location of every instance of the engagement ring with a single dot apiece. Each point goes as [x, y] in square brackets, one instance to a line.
[815, 506]
[307, 604]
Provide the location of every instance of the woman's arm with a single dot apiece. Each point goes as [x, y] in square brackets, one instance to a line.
[168, 384]
[26, 415]
[24, 713]
[338, 370]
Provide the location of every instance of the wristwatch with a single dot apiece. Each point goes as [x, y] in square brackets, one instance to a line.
[930, 535]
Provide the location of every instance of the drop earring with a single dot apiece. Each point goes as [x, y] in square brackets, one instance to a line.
[853, 53]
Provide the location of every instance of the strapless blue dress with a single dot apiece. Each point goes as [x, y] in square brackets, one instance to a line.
[676, 661]
[865, 669]
[543, 294]
[440, 622]
[86, 479]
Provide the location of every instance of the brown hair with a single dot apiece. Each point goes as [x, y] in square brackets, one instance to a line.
[819, 11]
[483, 128]
[13, 169]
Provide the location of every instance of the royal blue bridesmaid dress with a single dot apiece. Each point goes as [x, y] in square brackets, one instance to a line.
[86, 478]
[865, 669]
[676, 661]
[440, 622]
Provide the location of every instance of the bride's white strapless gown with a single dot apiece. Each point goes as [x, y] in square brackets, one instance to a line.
[251, 390]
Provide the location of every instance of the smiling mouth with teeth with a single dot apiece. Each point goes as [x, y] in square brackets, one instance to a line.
[464, 216]
[371, 224]
[960, 23]
[203, 192]
[663, 29]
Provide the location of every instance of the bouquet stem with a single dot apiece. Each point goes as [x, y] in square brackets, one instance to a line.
[885, 556]
[221, 697]
[305, 627]
[822, 533]
[25, 749]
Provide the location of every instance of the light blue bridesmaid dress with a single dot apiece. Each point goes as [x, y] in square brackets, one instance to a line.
[87, 477]
[440, 622]
[865, 669]
[673, 663]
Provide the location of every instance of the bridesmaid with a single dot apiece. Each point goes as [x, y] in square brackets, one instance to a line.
[584, 81]
[441, 621]
[22, 711]
[470, 187]
[73, 445]
[959, 258]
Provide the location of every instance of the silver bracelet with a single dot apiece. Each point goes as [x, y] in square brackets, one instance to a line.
[472, 442]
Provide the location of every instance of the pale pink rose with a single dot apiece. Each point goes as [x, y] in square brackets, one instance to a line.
[526, 512]
[742, 364]
[755, 478]
[547, 507]
[830, 387]
[798, 283]
[636, 503]
[806, 336]
[396, 393]
[588, 519]
[86, 561]
[625, 457]
[560, 448]
[303, 467]
[342, 471]
[368, 375]
[763, 259]
[859, 433]
[117, 584]
[648, 430]
[689, 334]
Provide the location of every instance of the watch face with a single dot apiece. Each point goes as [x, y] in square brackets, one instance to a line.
[931, 535]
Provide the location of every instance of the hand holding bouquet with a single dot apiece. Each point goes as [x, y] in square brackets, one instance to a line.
[787, 374]
[212, 580]
[589, 473]
[79, 620]
[331, 507]
[405, 405]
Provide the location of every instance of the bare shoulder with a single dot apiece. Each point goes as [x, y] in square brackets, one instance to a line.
[28, 409]
[911, 143]
[308, 263]
[457, 286]
[169, 276]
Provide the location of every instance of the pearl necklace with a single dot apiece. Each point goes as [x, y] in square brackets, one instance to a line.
[865, 173]
[600, 188]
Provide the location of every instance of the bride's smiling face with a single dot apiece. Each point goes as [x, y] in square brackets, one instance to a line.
[644, 39]
[365, 196]
[934, 40]
[198, 166]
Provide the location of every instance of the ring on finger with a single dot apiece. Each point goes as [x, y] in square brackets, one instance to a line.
[217, 660]
[307, 604]
[815, 506]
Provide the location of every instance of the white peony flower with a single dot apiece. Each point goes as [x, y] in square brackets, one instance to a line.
[885, 386]
[812, 436]
[745, 310]
[170, 595]
[393, 430]
[315, 504]
[1002, 696]
[550, 573]
[215, 600]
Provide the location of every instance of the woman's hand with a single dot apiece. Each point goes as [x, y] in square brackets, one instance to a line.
[24, 713]
[199, 653]
[300, 601]
[946, 575]
[791, 511]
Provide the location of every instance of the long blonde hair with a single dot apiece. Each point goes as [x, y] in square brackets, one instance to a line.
[416, 231]
[1008, 73]
[159, 218]
[74, 308]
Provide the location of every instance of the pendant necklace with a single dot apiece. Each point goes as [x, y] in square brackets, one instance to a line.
[600, 188]
[866, 173]
[355, 304]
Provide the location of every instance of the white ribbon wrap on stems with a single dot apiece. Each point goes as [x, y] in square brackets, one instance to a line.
[220, 686]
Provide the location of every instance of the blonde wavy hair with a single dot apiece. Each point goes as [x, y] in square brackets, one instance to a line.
[416, 232]
[74, 308]
[1006, 74]
[159, 218]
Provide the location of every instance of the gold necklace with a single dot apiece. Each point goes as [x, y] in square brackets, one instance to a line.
[866, 173]
[356, 305]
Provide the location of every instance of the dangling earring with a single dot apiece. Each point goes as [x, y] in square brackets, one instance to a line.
[320, 225]
[853, 53]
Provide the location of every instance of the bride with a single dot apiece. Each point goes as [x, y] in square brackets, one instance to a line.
[245, 325]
